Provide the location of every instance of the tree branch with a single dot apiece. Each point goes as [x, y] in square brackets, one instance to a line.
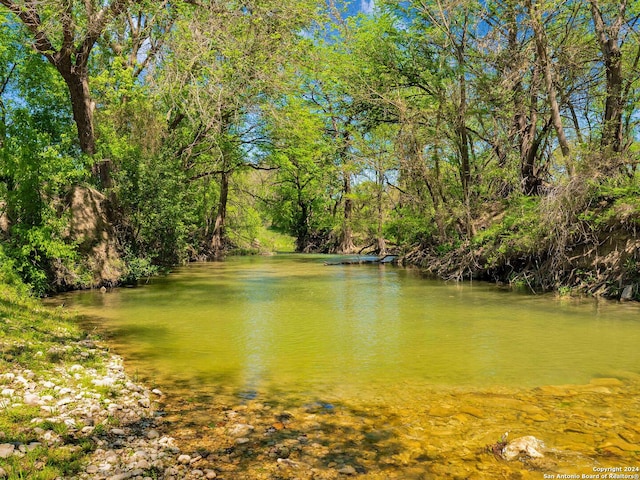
[30, 18]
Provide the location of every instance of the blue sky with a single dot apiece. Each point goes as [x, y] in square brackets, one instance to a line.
[358, 6]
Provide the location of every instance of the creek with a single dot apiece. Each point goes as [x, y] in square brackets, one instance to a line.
[284, 367]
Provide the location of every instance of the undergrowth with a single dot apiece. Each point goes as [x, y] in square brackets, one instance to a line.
[578, 237]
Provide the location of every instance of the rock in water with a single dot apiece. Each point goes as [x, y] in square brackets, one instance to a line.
[529, 446]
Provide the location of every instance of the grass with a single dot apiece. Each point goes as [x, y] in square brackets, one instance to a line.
[275, 241]
[37, 339]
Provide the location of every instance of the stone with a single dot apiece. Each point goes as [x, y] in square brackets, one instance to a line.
[621, 445]
[285, 462]
[152, 434]
[32, 399]
[184, 459]
[627, 293]
[33, 445]
[539, 418]
[347, 470]
[439, 411]
[473, 411]
[606, 382]
[3, 473]
[528, 445]
[6, 450]
[121, 476]
[240, 430]
[103, 382]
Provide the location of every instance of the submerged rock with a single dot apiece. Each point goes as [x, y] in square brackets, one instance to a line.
[529, 446]
[240, 430]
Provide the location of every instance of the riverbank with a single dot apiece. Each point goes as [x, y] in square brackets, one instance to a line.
[69, 410]
[578, 239]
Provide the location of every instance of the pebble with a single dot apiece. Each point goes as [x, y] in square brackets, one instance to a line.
[75, 403]
[240, 430]
[347, 470]
[6, 450]
[31, 399]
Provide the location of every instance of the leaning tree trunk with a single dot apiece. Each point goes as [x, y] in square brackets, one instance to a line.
[545, 64]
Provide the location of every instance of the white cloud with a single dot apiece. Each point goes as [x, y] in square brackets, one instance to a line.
[367, 6]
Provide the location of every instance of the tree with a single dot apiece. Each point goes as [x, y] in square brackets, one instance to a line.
[305, 182]
[65, 33]
[548, 74]
[614, 24]
[222, 60]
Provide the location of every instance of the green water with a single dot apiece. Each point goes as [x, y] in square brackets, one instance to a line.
[375, 370]
[292, 323]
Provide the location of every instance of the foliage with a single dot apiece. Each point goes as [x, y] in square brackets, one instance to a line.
[39, 162]
[497, 135]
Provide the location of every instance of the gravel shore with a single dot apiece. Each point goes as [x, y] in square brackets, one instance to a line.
[96, 407]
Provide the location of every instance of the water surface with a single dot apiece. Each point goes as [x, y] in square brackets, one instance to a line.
[294, 322]
[435, 365]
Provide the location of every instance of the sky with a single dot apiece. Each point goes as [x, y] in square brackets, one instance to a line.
[367, 6]
[360, 6]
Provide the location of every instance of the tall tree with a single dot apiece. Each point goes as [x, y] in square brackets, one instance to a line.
[65, 33]
[613, 24]
[548, 73]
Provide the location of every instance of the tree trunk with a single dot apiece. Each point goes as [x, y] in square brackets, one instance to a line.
[346, 238]
[524, 124]
[218, 240]
[612, 132]
[463, 141]
[545, 64]
[77, 80]
[381, 244]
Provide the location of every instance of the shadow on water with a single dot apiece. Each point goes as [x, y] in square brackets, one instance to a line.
[285, 437]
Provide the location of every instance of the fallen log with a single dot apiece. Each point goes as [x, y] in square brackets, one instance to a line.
[364, 260]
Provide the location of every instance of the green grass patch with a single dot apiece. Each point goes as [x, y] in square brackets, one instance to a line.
[273, 240]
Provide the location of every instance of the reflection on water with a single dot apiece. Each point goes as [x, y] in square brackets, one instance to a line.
[293, 322]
